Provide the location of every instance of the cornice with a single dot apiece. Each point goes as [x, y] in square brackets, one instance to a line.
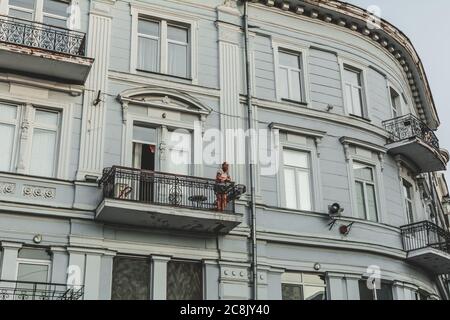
[391, 39]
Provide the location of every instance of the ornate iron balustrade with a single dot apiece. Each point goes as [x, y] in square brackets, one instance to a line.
[167, 189]
[42, 36]
[425, 234]
[24, 290]
[409, 126]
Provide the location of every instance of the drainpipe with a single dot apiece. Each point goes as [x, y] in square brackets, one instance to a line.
[251, 157]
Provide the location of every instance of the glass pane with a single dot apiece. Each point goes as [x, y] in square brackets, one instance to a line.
[407, 189]
[177, 34]
[290, 189]
[184, 281]
[29, 4]
[32, 272]
[363, 172]
[360, 201]
[178, 60]
[148, 55]
[357, 101]
[284, 83]
[372, 203]
[352, 77]
[8, 112]
[296, 93]
[46, 118]
[56, 7]
[289, 60]
[304, 189]
[313, 293]
[409, 211]
[179, 158]
[20, 14]
[43, 153]
[291, 291]
[148, 27]
[6, 146]
[349, 98]
[385, 293]
[62, 23]
[294, 158]
[144, 134]
[131, 279]
[37, 254]
[364, 292]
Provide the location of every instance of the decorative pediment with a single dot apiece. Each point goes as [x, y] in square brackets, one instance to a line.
[163, 98]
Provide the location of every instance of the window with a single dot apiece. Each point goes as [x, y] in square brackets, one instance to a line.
[395, 103]
[131, 278]
[33, 265]
[290, 76]
[9, 120]
[43, 139]
[50, 12]
[44, 143]
[303, 286]
[354, 95]
[179, 155]
[163, 47]
[382, 293]
[297, 179]
[184, 280]
[408, 196]
[366, 199]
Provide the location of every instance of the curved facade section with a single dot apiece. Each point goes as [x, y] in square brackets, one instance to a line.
[347, 160]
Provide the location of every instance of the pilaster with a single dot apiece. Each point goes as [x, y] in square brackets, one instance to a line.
[159, 277]
[9, 260]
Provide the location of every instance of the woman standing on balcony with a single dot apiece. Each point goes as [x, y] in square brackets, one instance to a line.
[222, 179]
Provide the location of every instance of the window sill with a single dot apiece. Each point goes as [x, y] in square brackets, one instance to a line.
[304, 104]
[360, 118]
[164, 75]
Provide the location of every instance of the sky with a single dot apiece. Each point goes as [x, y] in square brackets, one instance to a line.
[427, 25]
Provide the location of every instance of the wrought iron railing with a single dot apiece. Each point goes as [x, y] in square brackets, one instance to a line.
[409, 126]
[167, 189]
[42, 36]
[425, 234]
[24, 290]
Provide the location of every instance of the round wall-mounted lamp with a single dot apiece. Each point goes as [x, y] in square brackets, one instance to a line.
[37, 238]
[317, 266]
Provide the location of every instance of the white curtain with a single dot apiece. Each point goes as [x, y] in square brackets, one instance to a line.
[179, 156]
[148, 54]
[178, 60]
[6, 146]
[43, 153]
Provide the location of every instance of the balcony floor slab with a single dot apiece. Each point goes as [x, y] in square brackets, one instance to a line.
[434, 260]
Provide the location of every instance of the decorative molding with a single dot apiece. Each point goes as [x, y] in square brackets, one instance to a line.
[39, 192]
[7, 188]
[363, 144]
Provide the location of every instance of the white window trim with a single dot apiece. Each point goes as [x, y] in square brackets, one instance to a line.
[65, 133]
[315, 187]
[16, 124]
[401, 107]
[412, 200]
[280, 44]
[378, 174]
[365, 100]
[38, 262]
[365, 183]
[162, 15]
[38, 12]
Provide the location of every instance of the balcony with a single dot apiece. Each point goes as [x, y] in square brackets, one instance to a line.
[427, 245]
[44, 51]
[412, 138]
[24, 290]
[168, 201]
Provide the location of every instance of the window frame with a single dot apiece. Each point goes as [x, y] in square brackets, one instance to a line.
[281, 44]
[165, 18]
[38, 262]
[410, 216]
[15, 144]
[23, 142]
[362, 69]
[303, 283]
[382, 282]
[365, 183]
[398, 111]
[38, 13]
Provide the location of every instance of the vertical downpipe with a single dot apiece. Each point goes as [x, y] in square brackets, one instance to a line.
[251, 155]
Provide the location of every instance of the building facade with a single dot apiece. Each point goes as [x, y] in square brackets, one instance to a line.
[113, 132]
